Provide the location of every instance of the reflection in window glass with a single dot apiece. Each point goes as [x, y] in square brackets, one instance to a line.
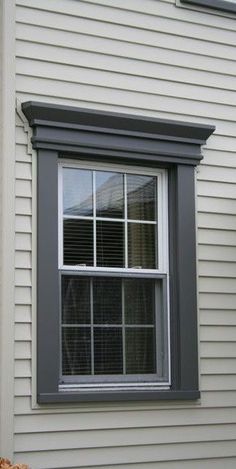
[108, 355]
[140, 351]
[110, 244]
[76, 351]
[77, 192]
[142, 249]
[109, 194]
[107, 304]
[75, 300]
[78, 242]
[139, 297]
[141, 197]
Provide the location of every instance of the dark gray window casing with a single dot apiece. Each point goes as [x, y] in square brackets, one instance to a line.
[221, 5]
[101, 136]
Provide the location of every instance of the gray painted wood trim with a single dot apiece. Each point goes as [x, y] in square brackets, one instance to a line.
[69, 129]
[47, 273]
[101, 142]
[85, 396]
[222, 5]
[185, 277]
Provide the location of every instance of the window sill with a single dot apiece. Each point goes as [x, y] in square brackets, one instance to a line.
[108, 396]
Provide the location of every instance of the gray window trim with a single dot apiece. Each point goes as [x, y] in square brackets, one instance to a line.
[221, 5]
[79, 133]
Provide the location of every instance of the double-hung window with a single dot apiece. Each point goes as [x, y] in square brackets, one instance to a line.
[113, 263]
[116, 255]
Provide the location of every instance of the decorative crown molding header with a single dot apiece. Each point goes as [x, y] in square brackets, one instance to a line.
[70, 129]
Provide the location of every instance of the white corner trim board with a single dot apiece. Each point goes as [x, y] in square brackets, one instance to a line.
[7, 152]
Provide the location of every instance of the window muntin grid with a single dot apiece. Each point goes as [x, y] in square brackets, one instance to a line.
[161, 221]
[88, 240]
[158, 221]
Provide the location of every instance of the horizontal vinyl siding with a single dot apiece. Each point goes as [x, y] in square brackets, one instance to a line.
[149, 58]
[23, 256]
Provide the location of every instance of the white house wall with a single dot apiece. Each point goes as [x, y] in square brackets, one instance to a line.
[149, 58]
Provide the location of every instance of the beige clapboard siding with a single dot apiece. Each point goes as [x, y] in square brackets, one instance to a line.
[23, 313]
[216, 237]
[22, 368]
[217, 269]
[72, 420]
[66, 61]
[23, 224]
[23, 170]
[217, 301]
[23, 387]
[151, 8]
[23, 187]
[214, 463]
[23, 206]
[216, 189]
[72, 94]
[58, 74]
[216, 205]
[215, 221]
[91, 40]
[211, 382]
[216, 399]
[221, 142]
[218, 333]
[125, 437]
[23, 281]
[90, 96]
[21, 137]
[23, 241]
[127, 18]
[22, 350]
[145, 64]
[218, 253]
[216, 349]
[217, 317]
[23, 295]
[133, 454]
[218, 366]
[216, 173]
[23, 260]
[23, 331]
[215, 157]
[23, 278]
[22, 154]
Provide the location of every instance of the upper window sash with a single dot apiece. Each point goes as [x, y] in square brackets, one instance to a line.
[160, 221]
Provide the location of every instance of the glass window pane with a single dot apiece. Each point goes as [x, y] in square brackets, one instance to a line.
[77, 192]
[75, 300]
[141, 197]
[140, 351]
[139, 301]
[109, 194]
[108, 356]
[76, 351]
[78, 242]
[142, 246]
[110, 244]
[107, 301]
